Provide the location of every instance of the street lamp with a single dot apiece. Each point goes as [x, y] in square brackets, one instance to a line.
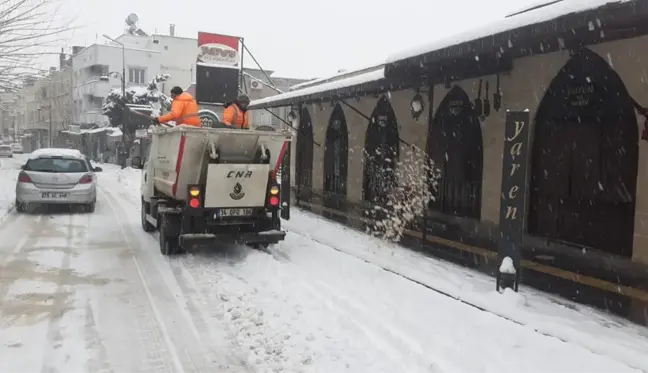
[123, 73]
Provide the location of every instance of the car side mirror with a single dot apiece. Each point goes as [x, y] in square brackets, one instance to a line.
[136, 162]
[22, 167]
[98, 169]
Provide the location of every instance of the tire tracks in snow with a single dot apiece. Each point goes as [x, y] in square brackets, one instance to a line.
[190, 346]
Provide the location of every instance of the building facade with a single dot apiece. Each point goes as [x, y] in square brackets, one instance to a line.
[578, 75]
[100, 60]
[177, 56]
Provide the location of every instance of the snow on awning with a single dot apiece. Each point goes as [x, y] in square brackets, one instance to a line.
[116, 132]
[534, 16]
[352, 84]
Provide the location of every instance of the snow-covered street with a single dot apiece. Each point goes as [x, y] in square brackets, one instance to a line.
[92, 293]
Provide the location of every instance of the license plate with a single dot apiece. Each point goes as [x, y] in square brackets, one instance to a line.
[234, 212]
[55, 195]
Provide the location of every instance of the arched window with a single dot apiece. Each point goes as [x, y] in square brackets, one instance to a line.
[584, 165]
[336, 157]
[381, 153]
[304, 157]
[455, 146]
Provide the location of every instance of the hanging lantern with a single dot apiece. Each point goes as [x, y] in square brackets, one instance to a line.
[292, 116]
[417, 106]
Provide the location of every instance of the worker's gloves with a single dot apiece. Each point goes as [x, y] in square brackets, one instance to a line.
[155, 121]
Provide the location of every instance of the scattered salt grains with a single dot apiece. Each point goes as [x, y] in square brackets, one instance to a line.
[408, 198]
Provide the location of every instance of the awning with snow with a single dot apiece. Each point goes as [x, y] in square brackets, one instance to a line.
[543, 28]
[347, 85]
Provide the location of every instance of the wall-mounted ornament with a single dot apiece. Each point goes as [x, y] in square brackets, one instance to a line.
[497, 96]
[291, 117]
[486, 102]
[416, 106]
[382, 121]
[477, 104]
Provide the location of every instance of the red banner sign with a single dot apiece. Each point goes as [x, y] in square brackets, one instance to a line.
[218, 50]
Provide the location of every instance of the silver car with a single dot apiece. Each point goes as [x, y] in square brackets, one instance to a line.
[57, 176]
[16, 148]
[5, 151]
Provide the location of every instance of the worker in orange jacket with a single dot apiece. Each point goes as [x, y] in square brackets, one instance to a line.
[236, 114]
[184, 109]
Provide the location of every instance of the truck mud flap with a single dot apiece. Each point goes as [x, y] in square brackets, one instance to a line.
[266, 237]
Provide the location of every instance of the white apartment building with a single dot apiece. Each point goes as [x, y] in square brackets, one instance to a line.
[177, 56]
[97, 60]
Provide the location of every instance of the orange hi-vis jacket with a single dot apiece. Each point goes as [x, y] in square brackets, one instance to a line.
[184, 110]
[233, 116]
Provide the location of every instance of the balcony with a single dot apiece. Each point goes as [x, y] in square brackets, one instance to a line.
[95, 87]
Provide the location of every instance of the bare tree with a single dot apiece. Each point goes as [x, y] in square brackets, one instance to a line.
[29, 29]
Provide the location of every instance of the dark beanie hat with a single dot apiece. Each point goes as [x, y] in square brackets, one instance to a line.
[176, 90]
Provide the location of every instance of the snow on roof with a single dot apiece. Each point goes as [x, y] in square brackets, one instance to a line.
[55, 152]
[116, 132]
[335, 76]
[537, 14]
[96, 130]
[371, 76]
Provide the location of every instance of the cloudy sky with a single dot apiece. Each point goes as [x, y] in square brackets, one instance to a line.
[295, 38]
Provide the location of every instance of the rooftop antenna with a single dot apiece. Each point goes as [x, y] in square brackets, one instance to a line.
[132, 27]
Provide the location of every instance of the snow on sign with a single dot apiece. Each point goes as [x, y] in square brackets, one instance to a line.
[218, 50]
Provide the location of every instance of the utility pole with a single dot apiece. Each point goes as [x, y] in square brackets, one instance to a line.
[49, 138]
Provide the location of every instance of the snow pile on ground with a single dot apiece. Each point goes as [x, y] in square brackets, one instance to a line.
[408, 199]
[130, 178]
[9, 169]
[592, 329]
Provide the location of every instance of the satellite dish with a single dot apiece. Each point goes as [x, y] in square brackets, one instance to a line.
[132, 19]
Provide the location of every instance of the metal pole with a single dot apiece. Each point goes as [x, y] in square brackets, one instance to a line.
[49, 138]
[123, 80]
[241, 78]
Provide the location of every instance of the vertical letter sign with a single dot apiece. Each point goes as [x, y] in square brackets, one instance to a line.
[513, 203]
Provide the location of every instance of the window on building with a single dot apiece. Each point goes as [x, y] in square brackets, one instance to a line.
[136, 75]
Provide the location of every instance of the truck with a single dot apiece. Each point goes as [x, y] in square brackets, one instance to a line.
[208, 186]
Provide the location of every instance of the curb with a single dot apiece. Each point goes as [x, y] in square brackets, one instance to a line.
[6, 213]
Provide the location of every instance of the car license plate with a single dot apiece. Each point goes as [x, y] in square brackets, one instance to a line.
[235, 212]
[55, 195]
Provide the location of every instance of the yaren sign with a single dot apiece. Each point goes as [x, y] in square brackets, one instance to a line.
[515, 181]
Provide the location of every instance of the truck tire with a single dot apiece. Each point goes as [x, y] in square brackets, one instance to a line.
[146, 226]
[169, 245]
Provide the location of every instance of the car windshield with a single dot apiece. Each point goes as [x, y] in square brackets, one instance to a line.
[5, 147]
[56, 165]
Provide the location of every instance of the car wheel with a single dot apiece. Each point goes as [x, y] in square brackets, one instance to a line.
[146, 226]
[20, 207]
[90, 207]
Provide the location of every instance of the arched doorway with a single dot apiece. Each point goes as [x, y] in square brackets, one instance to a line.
[455, 145]
[304, 157]
[336, 156]
[585, 151]
[381, 153]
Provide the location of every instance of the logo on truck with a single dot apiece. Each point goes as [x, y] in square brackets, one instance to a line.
[239, 174]
[238, 192]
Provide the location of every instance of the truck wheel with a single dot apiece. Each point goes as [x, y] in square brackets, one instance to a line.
[168, 244]
[148, 227]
